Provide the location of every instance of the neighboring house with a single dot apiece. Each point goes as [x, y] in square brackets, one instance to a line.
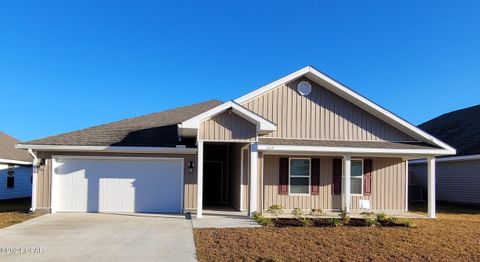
[303, 141]
[15, 169]
[458, 177]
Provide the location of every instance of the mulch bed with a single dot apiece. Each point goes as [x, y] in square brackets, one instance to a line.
[452, 237]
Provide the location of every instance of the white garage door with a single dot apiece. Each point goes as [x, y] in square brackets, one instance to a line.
[117, 185]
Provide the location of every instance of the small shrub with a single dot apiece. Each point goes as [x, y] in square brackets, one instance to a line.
[267, 259]
[264, 221]
[316, 212]
[306, 222]
[370, 218]
[344, 217]
[382, 217]
[297, 213]
[393, 220]
[334, 222]
[410, 224]
[275, 210]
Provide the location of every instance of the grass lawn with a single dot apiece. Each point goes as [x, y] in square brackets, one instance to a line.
[14, 211]
[455, 235]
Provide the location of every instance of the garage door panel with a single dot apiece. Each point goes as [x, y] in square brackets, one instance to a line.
[118, 185]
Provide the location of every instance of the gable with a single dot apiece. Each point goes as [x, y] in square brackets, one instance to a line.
[227, 126]
[320, 115]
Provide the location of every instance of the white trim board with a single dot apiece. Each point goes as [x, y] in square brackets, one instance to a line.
[350, 150]
[16, 162]
[112, 149]
[190, 126]
[447, 159]
[353, 97]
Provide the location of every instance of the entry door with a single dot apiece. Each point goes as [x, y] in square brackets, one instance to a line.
[212, 183]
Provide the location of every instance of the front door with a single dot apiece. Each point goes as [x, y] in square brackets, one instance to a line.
[212, 183]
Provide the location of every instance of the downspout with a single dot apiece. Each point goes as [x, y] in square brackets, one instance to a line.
[36, 165]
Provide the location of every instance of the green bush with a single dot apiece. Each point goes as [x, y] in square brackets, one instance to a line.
[409, 224]
[306, 222]
[381, 217]
[264, 221]
[370, 218]
[335, 222]
[297, 213]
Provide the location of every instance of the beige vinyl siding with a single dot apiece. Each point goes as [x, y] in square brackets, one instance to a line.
[388, 186]
[320, 115]
[43, 190]
[227, 126]
[45, 175]
[456, 181]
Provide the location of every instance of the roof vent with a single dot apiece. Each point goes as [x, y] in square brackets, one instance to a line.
[304, 88]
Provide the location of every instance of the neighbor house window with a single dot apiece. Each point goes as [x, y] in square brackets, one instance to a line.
[299, 176]
[11, 176]
[356, 178]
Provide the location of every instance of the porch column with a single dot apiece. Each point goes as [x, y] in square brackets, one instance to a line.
[253, 181]
[347, 163]
[200, 180]
[431, 187]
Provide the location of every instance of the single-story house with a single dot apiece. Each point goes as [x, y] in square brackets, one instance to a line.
[15, 169]
[303, 141]
[458, 177]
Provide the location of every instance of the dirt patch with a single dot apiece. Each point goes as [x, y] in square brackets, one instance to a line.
[453, 236]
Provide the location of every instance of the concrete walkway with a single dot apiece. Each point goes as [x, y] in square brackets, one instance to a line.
[101, 237]
[223, 217]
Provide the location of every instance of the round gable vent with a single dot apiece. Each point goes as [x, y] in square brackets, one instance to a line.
[304, 88]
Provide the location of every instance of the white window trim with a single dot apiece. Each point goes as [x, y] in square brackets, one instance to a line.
[309, 176]
[361, 177]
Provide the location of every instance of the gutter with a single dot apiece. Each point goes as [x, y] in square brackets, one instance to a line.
[36, 164]
[110, 149]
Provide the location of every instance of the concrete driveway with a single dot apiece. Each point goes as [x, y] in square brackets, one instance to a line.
[101, 237]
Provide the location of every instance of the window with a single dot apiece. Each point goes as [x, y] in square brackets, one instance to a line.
[11, 176]
[299, 176]
[356, 177]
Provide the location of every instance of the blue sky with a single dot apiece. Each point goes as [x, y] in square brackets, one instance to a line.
[68, 65]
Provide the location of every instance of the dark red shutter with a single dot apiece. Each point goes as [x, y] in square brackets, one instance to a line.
[315, 176]
[283, 177]
[337, 176]
[367, 177]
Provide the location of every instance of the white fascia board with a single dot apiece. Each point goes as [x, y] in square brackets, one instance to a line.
[351, 150]
[112, 149]
[355, 98]
[263, 125]
[16, 162]
[447, 159]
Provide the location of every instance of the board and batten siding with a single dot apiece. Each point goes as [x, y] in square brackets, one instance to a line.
[22, 182]
[320, 115]
[456, 181]
[388, 186]
[44, 176]
[227, 126]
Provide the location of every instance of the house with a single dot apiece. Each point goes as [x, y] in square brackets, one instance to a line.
[458, 177]
[15, 169]
[303, 141]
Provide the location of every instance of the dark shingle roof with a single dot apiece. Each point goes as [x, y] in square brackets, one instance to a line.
[8, 150]
[336, 143]
[154, 130]
[460, 129]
